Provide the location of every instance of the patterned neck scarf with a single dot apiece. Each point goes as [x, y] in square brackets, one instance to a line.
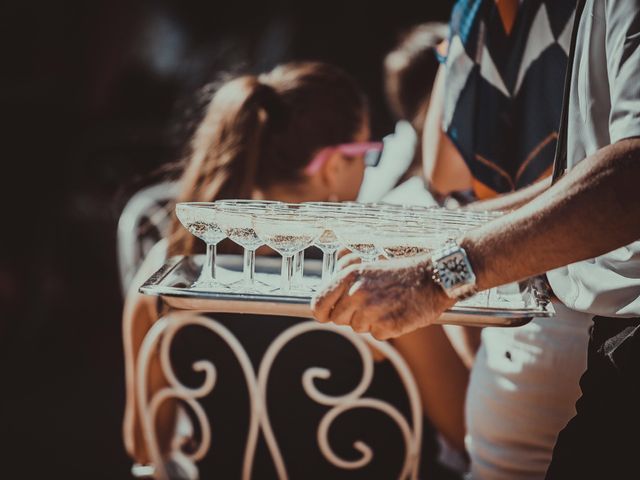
[505, 69]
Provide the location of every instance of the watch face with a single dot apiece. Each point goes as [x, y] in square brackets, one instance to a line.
[454, 271]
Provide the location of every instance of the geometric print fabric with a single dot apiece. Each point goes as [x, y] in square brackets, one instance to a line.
[504, 89]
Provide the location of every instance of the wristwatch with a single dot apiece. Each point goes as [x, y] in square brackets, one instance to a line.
[452, 271]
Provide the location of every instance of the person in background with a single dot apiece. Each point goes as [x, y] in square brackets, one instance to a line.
[275, 136]
[409, 73]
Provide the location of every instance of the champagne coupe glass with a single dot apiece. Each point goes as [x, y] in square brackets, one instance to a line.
[402, 242]
[287, 234]
[200, 219]
[235, 218]
[298, 258]
[327, 242]
[357, 234]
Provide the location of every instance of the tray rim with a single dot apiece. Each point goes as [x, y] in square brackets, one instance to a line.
[153, 287]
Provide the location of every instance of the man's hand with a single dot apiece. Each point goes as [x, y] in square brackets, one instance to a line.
[387, 299]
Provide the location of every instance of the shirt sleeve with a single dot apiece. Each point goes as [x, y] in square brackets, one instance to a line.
[623, 67]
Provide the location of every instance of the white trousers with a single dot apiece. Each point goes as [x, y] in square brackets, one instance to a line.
[522, 392]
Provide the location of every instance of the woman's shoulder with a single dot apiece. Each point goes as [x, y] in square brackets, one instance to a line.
[152, 262]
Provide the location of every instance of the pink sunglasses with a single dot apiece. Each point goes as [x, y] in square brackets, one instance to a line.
[372, 152]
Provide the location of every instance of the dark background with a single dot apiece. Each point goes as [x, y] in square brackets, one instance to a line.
[96, 95]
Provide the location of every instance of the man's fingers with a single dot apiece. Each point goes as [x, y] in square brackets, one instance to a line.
[380, 331]
[345, 308]
[359, 322]
[324, 301]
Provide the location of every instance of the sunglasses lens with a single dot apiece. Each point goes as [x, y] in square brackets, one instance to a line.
[372, 158]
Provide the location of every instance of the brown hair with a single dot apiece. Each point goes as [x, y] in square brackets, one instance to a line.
[410, 71]
[262, 130]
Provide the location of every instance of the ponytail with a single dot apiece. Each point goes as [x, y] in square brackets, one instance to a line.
[226, 148]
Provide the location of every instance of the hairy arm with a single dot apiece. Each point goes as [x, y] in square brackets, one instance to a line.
[511, 201]
[592, 210]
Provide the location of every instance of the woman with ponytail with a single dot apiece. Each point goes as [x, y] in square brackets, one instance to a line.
[260, 133]
[262, 137]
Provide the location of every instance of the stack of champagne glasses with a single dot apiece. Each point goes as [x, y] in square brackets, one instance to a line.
[371, 231]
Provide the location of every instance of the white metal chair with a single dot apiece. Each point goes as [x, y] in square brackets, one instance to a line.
[257, 376]
[144, 221]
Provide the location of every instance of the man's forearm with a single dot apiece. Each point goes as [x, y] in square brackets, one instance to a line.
[511, 201]
[594, 209]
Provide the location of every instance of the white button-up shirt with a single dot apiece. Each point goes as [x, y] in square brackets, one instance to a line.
[604, 109]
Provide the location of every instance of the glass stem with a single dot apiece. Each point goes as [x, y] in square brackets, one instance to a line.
[209, 268]
[328, 265]
[249, 266]
[286, 274]
[298, 271]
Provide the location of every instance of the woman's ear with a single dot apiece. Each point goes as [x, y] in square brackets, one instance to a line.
[332, 171]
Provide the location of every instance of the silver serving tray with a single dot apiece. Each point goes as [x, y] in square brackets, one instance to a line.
[509, 306]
